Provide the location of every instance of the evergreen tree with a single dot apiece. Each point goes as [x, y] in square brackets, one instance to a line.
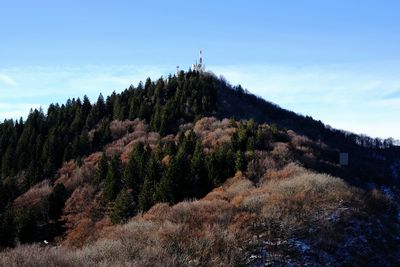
[212, 167]
[117, 109]
[102, 136]
[101, 170]
[8, 161]
[155, 121]
[199, 173]
[148, 87]
[113, 179]
[34, 172]
[221, 164]
[135, 170]
[67, 153]
[76, 146]
[146, 195]
[173, 186]
[57, 199]
[170, 148]
[96, 113]
[144, 111]
[123, 208]
[84, 143]
[240, 163]
[76, 124]
[86, 107]
[101, 106]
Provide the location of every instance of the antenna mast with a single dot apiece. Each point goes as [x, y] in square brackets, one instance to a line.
[199, 66]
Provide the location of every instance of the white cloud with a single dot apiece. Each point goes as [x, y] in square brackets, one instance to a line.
[7, 80]
[17, 110]
[40, 86]
[347, 96]
[58, 83]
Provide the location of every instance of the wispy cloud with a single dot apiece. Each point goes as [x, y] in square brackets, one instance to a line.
[7, 80]
[18, 110]
[40, 86]
[393, 95]
[356, 97]
[55, 84]
[363, 98]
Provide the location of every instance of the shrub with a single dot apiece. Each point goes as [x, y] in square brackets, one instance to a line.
[36, 196]
[288, 208]
[36, 255]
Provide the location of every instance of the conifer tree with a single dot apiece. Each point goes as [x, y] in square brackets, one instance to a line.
[84, 143]
[8, 160]
[167, 189]
[101, 170]
[123, 208]
[67, 153]
[199, 173]
[117, 109]
[113, 179]
[240, 164]
[77, 122]
[86, 107]
[57, 199]
[134, 172]
[146, 195]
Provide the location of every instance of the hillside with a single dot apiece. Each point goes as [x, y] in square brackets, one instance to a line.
[198, 171]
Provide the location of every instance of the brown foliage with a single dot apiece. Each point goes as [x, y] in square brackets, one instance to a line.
[165, 161]
[73, 206]
[73, 176]
[36, 255]
[127, 134]
[86, 231]
[35, 197]
[289, 170]
[213, 132]
[84, 216]
[121, 128]
[214, 231]
[281, 151]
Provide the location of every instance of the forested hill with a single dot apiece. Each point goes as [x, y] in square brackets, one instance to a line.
[81, 164]
[38, 146]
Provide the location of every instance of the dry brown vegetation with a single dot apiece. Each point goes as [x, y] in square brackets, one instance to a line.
[221, 229]
[213, 132]
[285, 206]
[35, 197]
[129, 133]
[73, 176]
[84, 222]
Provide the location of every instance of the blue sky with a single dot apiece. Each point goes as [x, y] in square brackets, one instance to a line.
[336, 60]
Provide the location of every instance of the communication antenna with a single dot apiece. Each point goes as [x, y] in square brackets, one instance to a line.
[199, 66]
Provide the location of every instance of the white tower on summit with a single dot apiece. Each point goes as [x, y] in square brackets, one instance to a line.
[199, 66]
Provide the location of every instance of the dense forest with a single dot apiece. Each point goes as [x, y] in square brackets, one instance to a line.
[176, 166]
